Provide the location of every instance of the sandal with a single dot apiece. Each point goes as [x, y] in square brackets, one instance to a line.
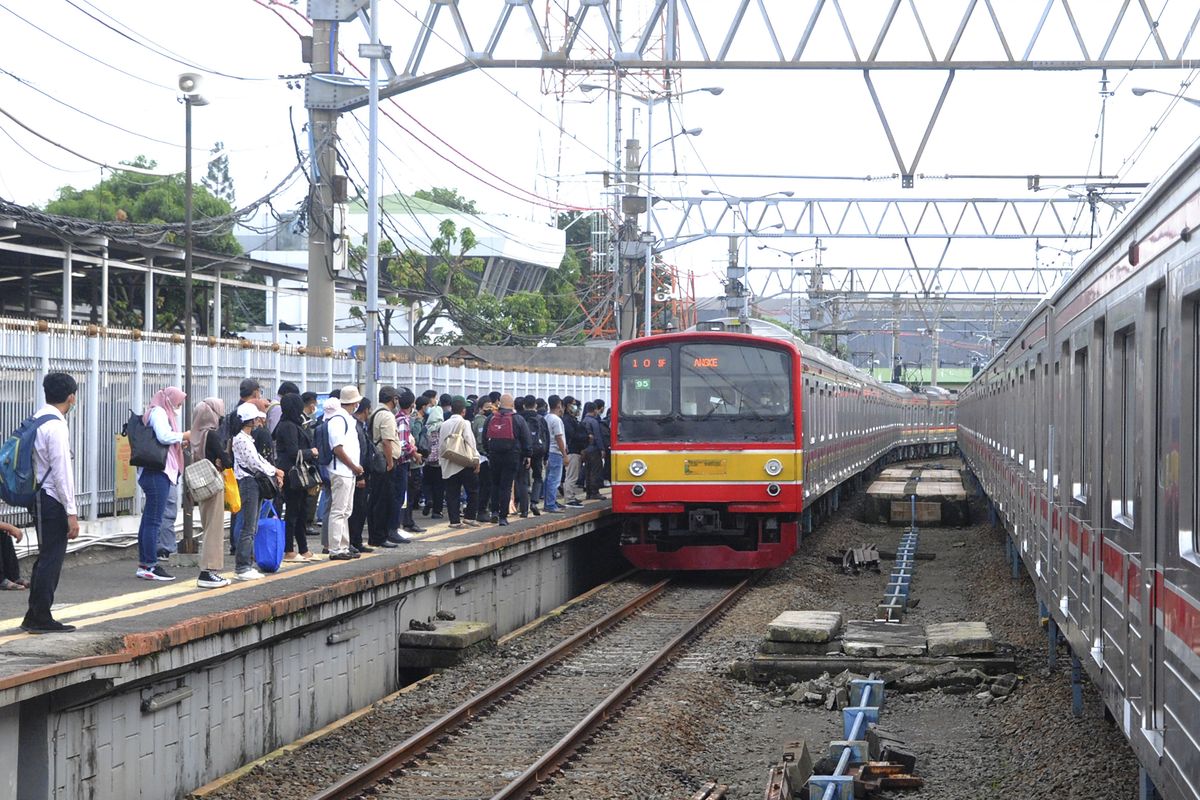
[10, 586]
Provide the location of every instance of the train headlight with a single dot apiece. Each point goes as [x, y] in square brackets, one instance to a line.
[637, 468]
[638, 490]
[774, 467]
[773, 489]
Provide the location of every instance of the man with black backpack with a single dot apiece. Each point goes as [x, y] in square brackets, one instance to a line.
[529, 479]
[507, 438]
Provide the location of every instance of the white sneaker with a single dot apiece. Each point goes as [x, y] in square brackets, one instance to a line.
[250, 575]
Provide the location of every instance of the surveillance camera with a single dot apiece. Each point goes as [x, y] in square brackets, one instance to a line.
[189, 83]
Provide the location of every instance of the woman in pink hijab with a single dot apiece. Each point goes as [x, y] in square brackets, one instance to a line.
[162, 415]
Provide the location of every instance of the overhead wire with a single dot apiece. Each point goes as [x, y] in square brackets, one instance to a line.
[77, 154]
[86, 54]
[145, 42]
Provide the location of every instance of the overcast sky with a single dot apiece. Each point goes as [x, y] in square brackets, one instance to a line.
[495, 136]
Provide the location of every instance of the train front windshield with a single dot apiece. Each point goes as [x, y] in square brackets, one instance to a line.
[705, 392]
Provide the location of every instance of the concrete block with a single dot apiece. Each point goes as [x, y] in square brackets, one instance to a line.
[858, 750]
[773, 648]
[798, 762]
[874, 639]
[805, 626]
[451, 635]
[843, 787]
[959, 639]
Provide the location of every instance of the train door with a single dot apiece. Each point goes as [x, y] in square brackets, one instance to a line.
[1094, 491]
[1156, 533]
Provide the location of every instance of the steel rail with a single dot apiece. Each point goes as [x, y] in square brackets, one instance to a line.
[550, 762]
[371, 773]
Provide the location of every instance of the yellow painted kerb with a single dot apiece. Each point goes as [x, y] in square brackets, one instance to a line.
[707, 466]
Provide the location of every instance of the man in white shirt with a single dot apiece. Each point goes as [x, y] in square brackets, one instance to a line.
[343, 441]
[54, 511]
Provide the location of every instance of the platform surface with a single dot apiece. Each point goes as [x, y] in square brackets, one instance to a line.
[119, 616]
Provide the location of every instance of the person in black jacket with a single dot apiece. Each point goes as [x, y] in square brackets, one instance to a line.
[577, 440]
[529, 479]
[508, 447]
[292, 439]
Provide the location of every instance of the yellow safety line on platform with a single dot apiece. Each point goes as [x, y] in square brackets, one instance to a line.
[198, 594]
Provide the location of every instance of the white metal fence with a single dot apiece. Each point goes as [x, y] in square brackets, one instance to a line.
[119, 370]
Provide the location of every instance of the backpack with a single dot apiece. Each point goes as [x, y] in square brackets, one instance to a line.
[478, 427]
[369, 456]
[420, 434]
[18, 484]
[501, 438]
[321, 442]
[539, 436]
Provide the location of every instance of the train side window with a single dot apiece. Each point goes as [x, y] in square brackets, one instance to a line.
[1079, 469]
[1126, 355]
[809, 412]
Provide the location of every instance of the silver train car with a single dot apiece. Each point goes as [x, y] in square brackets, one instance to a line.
[1084, 433]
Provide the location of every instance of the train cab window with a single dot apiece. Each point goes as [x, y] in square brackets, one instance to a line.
[646, 383]
[734, 381]
[1127, 411]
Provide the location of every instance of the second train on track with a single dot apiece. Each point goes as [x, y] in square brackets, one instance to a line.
[721, 441]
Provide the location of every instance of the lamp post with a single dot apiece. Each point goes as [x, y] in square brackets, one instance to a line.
[734, 273]
[1139, 91]
[817, 248]
[651, 100]
[189, 84]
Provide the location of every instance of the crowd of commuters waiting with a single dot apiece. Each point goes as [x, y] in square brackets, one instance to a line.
[375, 469]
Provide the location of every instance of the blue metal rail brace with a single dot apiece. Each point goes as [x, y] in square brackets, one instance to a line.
[866, 698]
[895, 597]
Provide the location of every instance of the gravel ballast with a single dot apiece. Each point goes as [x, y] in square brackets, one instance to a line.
[697, 723]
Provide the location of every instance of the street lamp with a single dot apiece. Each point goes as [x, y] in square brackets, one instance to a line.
[189, 84]
[817, 248]
[1138, 91]
[651, 100]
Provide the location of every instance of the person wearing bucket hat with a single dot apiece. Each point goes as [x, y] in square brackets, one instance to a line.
[248, 463]
[343, 442]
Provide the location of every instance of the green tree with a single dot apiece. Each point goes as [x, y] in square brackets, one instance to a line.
[137, 198]
[217, 181]
[447, 197]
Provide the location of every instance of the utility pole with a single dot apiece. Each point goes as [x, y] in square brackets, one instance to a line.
[324, 228]
[933, 366]
[735, 305]
[628, 243]
[896, 360]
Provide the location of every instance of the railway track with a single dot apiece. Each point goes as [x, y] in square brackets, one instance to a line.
[516, 733]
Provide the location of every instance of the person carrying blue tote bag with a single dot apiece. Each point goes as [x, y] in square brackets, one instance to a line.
[268, 541]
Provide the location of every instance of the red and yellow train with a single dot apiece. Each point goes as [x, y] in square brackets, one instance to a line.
[721, 442]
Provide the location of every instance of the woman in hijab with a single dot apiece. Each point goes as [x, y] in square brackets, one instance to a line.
[292, 439]
[207, 442]
[162, 416]
[435, 494]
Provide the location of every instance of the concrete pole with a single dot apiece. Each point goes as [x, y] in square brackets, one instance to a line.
[372, 349]
[68, 301]
[322, 219]
[104, 286]
[733, 283]
[933, 367]
[649, 210]
[148, 300]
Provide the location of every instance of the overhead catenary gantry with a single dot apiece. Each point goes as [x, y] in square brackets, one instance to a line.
[437, 39]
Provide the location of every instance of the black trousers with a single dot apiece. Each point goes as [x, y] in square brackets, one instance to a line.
[50, 519]
[455, 484]
[504, 473]
[296, 504]
[484, 481]
[10, 567]
[380, 500]
[593, 464]
[358, 515]
[435, 488]
[414, 496]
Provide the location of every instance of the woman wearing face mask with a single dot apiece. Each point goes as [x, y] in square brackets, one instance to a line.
[162, 416]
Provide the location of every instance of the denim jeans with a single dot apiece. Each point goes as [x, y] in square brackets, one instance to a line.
[156, 486]
[554, 469]
[244, 562]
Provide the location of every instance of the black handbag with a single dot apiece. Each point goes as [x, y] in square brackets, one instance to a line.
[302, 475]
[145, 450]
[266, 487]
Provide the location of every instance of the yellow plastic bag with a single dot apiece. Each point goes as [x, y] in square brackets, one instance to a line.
[233, 495]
